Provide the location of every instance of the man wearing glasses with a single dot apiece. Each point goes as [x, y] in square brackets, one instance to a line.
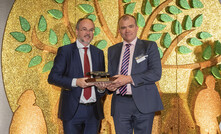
[80, 107]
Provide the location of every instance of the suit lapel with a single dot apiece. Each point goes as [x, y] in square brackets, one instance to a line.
[93, 57]
[116, 58]
[77, 59]
[139, 49]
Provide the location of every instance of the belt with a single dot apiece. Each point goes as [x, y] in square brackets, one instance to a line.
[88, 104]
[126, 95]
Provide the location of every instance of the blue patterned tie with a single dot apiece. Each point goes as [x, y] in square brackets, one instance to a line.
[124, 68]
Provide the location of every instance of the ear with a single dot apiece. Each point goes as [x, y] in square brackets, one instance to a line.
[76, 31]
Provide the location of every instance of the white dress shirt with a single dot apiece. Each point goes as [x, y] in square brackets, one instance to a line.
[81, 52]
[132, 47]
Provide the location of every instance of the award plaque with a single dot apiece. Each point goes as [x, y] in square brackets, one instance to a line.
[100, 76]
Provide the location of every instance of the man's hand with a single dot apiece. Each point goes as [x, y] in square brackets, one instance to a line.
[120, 81]
[101, 85]
[81, 83]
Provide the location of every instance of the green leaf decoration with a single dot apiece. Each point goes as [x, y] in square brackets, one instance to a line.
[177, 27]
[187, 23]
[204, 35]
[155, 3]
[158, 27]
[35, 61]
[199, 77]
[217, 47]
[129, 9]
[18, 36]
[165, 18]
[198, 21]
[196, 4]
[184, 50]
[86, 8]
[140, 20]
[174, 10]
[207, 53]
[92, 17]
[53, 37]
[55, 13]
[48, 66]
[24, 24]
[161, 52]
[195, 42]
[101, 44]
[184, 4]
[147, 8]
[66, 39]
[126, 1]
[25, 48]
[96, 31]
[42, 24]
[215, 72]
[219, 67]
[154, 36]
[167, 40]
[59, 1]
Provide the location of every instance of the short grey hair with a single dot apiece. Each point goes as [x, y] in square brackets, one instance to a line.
[79, 21]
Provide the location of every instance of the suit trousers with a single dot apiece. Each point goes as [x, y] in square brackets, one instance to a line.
[83, 122]
[127, 118]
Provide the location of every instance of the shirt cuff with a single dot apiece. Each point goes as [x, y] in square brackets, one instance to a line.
[73, 84]
[100, 91]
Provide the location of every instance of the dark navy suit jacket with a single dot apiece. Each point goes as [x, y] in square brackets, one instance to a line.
[67, 65]
[144, 75]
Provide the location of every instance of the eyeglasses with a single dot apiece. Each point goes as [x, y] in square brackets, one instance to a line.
[86, 30]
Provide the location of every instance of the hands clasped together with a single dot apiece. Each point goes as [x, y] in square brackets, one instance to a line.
[113, 86]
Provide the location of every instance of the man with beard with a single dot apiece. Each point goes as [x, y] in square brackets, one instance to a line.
[80, 107]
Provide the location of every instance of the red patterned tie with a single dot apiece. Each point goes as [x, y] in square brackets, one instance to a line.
[124, 67]
[87, 90]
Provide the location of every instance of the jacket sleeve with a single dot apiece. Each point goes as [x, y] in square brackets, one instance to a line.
[57, 75]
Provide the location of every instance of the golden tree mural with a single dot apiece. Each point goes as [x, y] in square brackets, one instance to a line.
[163, 21]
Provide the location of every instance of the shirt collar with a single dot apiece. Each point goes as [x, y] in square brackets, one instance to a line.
[80, 45]
[132, 42]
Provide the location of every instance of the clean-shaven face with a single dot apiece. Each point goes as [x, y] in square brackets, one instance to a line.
[128, 29]
[85, 32]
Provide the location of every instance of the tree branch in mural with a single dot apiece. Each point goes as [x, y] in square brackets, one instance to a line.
[38, 44]
[67, 22]
[152, 17]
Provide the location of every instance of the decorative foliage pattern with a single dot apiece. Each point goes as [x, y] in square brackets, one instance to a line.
[184, 50]
[24, 24]
[130, 8]
[18, 36]
[86, 8]
[53, 37]
[199, 77]
[147, 20]
[25, 48]
[35, 61]
[55, 13]
[42, 24]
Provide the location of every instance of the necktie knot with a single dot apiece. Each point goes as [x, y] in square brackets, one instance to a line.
[128, 45]
[85, 49]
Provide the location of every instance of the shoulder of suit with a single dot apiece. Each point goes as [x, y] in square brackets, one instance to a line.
[116, 45]
[147, 42]
[95, 48]
[68, 46]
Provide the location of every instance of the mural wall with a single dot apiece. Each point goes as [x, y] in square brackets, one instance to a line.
[188, 36]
